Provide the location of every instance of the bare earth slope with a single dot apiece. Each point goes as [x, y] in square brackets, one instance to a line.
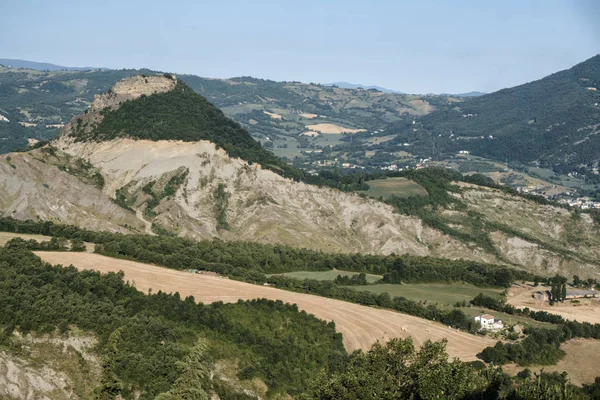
[261, 206]
[31, 189]
[361, 326]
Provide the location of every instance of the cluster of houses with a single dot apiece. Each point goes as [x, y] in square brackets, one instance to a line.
[583, 203]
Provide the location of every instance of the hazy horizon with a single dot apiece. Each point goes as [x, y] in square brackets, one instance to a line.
[425, 47]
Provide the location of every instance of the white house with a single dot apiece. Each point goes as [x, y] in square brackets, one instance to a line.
[488, 322]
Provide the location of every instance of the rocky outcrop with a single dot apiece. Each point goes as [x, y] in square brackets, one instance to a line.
[127, 89]
[49, 368]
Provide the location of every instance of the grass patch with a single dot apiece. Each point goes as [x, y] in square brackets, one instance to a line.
[400, 187]
[434, 292]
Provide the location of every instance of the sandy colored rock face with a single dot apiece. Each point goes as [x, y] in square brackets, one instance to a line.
[262, 206]
[46, 378]
[35, 190]
[259, 205]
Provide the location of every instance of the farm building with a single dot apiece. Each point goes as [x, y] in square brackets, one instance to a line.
[487, 321]
[546, 295]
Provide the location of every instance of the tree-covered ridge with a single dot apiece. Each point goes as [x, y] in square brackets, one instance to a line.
[143, 338]
[550, 120]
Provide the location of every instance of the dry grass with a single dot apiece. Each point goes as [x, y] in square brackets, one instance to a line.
[332, 129]
[361, 326]
[587, 310]
[582, 361]
[6, 236]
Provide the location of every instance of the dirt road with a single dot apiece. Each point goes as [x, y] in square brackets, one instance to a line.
[361, 326]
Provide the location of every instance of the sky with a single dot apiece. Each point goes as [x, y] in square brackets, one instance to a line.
[422, 46]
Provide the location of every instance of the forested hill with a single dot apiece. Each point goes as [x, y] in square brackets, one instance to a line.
[555, 120]
[175, 114]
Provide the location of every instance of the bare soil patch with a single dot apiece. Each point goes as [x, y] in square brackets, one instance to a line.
[309, 115]
[273, 115]
[361, 326]
[587, 310]
[332, 129]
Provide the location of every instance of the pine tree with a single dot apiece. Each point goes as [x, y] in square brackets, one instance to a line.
[189, 385]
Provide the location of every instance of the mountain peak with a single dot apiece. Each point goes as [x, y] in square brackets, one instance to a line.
[133, 88]
[161, 107]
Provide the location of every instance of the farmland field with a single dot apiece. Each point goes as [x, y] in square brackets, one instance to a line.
[400, 187]
[585, 310]
[446, 296]
[361, 326]
[327, 275]
[433, 292]
[6, 236]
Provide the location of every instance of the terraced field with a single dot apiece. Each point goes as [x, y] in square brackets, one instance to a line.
[361, 326]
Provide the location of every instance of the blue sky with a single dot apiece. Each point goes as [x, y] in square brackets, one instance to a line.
[417, 46]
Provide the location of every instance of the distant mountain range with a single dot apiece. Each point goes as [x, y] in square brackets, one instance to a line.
[468, 94]
[39, 66]
[348, 85]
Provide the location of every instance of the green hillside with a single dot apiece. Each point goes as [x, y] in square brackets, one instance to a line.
[553, 121]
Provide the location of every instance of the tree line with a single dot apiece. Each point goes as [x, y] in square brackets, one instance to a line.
[252, 260]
